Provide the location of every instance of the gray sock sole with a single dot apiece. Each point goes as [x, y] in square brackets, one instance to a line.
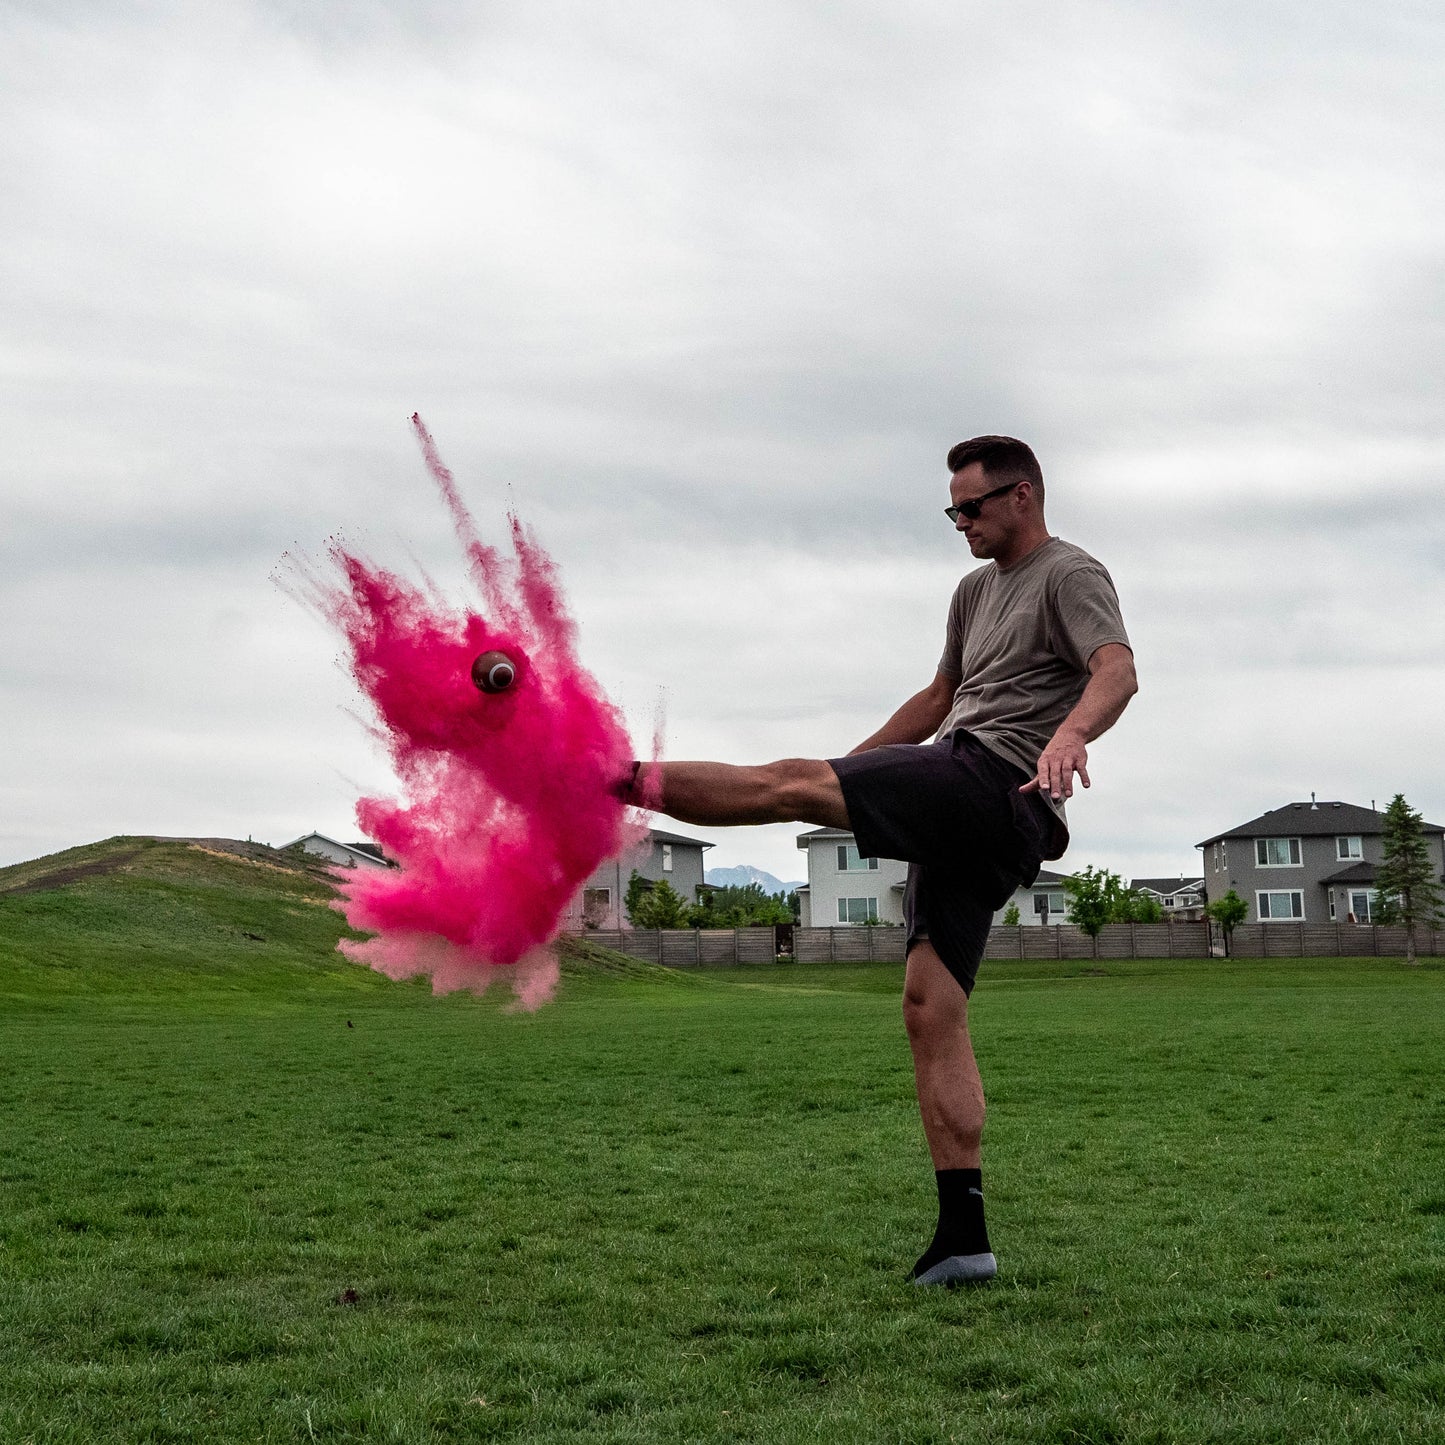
[960, 1269]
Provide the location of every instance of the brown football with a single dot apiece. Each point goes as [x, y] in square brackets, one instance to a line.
[493, 671]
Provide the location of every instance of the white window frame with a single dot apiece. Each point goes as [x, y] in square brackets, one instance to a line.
[1261, 850]
[667, 857]
[1342, 847]
[1269, 917]
[870, 910]
[1365, 915]
[851, 861]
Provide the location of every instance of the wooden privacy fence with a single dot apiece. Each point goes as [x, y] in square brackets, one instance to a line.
[1328, 940]
[719, 947]
[1116, 940]
[691, 947]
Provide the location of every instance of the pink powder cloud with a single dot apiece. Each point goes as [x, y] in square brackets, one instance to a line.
[507, 803]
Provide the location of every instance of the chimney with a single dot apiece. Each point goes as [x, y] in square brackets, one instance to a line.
[1314, 806]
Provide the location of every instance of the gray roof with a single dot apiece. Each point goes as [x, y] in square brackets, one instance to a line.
[1167, 886]
[1310, 820]
[1355, 873]
[822, 833]
[658, 836]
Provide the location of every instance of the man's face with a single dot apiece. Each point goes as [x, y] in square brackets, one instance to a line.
[993, 529]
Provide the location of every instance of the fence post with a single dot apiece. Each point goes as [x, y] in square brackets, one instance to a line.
[1058, 941]
[1133, 939]
[832, 945]
[871, 932]
[1019, 939]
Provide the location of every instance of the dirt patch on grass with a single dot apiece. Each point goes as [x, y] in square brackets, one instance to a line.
[74, 873]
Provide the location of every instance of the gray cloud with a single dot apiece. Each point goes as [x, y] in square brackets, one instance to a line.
[706, 293]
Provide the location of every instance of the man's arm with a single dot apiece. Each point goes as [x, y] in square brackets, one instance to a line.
[1111, 684]
[919, 718]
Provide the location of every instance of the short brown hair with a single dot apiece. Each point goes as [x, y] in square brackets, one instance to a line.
[1004, 459]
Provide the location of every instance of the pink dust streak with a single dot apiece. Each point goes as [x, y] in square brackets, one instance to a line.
[507, 804]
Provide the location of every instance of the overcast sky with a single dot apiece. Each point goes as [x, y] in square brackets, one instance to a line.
[706, 291]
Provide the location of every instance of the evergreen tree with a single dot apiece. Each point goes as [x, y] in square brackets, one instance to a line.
[637, 890]
[661, 906]
[1406, 882]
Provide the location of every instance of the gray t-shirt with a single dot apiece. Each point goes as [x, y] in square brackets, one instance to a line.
[1019, 641]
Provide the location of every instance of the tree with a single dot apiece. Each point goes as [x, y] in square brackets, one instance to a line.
[1094, 900]
[1011, 916]
[740, 906]
[637, 889]
[1227, 912]
[1405, 882]
[1136, 907]
[661, 906]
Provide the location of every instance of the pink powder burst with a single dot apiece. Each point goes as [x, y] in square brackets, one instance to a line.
[508, 804]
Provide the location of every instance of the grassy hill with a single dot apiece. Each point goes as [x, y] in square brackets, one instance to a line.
[139, 914]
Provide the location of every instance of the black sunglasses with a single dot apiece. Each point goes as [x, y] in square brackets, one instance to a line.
[973, 508]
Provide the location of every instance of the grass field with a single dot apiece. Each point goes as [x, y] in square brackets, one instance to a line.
[249, 1192]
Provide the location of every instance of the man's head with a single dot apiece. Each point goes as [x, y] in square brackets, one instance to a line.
[997, 488]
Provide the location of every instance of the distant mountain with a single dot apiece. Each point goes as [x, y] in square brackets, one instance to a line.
[744, 874]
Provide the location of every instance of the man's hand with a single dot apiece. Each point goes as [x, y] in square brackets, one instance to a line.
[1064, 756]
[1111, 684]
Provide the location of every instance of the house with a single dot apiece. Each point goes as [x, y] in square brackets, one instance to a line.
[1305, 862]
[347, 855]
[845, 888]
[1040, 905]
[660, 855]
[1181, 898]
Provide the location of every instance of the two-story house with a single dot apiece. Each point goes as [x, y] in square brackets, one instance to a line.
[1180, 898]
[845, 888]
[660, 855]
[1305, 862]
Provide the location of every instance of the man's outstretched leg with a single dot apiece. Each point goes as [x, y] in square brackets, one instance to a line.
[950, 1099]
[719, 795]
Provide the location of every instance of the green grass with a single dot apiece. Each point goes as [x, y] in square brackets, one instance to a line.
[250, 1192]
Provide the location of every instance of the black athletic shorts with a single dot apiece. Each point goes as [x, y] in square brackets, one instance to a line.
[953, 812]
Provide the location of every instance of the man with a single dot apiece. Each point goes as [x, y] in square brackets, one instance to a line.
[1036, 665]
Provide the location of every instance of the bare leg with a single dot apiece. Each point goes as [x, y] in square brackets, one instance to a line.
[950, 1091]
[718, 795]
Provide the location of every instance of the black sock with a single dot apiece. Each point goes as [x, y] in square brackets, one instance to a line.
[961, 1229]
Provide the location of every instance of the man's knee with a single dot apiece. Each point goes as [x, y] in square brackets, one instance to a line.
[935, 1008]
[804, 790]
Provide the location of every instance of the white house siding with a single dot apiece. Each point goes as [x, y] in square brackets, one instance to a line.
[827, 883]
[1047, 885]
[320, 846]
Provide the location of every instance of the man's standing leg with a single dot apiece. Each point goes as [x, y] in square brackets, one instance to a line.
[950, 1099]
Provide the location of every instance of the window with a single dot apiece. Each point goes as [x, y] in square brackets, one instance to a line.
[1042, 906]
[850, 862]
[857, 910]
[1168, 903]
[1360, 906]
[596, 905]
[1348, 848]
[1274, 906]
[667, 857]
[1277, 852]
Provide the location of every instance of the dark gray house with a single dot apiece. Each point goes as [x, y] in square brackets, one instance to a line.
[659, 855]
[1305, 862]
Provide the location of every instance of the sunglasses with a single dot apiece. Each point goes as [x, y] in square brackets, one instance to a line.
[973, 509]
